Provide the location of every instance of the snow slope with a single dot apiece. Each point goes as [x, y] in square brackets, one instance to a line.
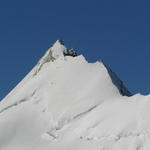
[66, 103]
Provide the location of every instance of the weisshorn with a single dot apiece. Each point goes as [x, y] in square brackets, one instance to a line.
[67, 103]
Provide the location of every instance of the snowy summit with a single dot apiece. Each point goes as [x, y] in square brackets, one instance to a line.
[67, 103]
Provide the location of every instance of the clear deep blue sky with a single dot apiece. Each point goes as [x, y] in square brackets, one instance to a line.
[117, 32]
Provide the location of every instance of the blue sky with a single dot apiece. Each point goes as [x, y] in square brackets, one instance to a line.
[118, 32]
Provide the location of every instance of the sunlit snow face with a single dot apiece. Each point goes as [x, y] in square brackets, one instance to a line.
[72, 104]
[58, 49]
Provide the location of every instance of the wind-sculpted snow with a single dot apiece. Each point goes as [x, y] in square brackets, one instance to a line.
[66, 103]
[17, 103]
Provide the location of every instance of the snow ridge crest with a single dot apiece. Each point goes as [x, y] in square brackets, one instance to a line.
[57, 50]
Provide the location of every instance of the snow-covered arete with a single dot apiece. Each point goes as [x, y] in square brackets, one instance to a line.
[66, 103]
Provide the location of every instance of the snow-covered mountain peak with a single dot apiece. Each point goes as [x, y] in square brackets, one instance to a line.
[58, 49]
[67, 103]
[55, 51]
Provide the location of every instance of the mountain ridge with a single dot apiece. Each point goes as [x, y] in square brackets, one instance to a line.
[69, 103]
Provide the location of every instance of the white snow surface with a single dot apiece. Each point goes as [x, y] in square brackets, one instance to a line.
[66, 103]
